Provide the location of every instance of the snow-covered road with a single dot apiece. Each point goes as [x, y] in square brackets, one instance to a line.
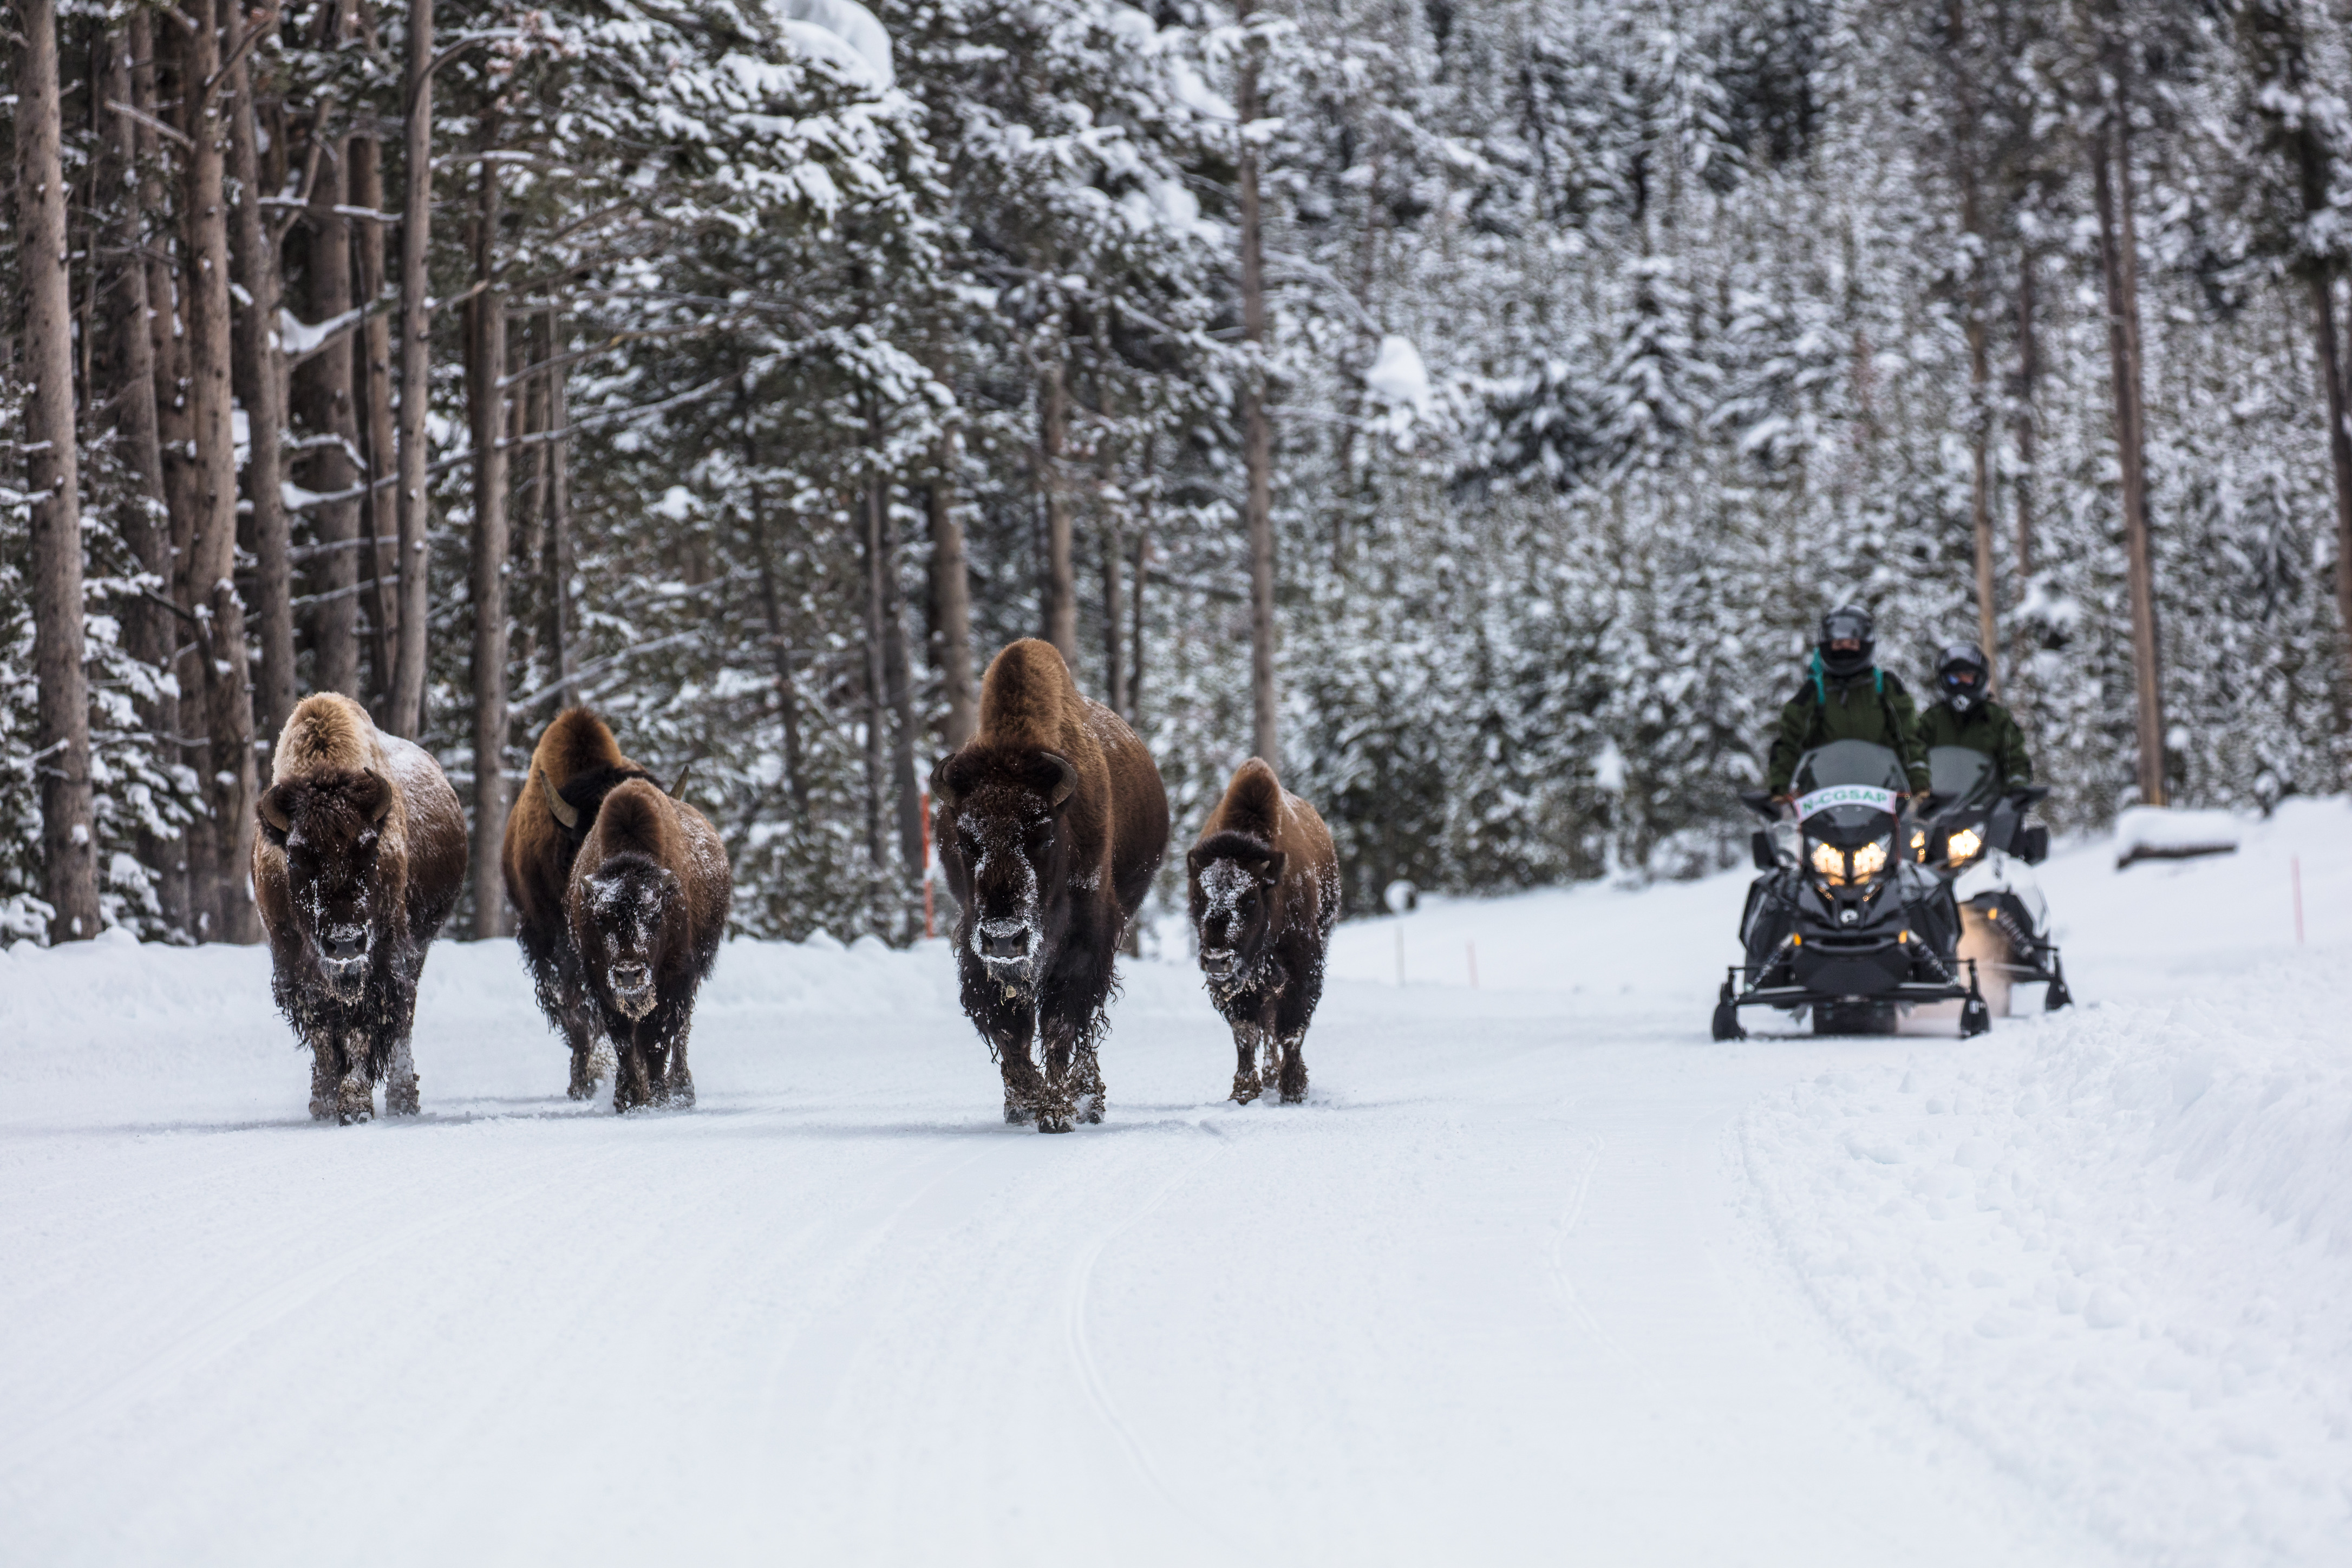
[1537, 1275]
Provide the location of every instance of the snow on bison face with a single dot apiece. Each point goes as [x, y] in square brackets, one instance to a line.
[1232, 907]
[330, 827]
[1009, 860]
[630, 900]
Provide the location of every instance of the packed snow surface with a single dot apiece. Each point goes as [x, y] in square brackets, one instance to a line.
[1539, 1273]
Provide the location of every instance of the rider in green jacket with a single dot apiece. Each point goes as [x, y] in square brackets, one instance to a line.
[1847, 697]
[1967, 716]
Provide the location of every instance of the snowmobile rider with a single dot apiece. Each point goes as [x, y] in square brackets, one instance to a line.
[1967, 716]
[1847, 697]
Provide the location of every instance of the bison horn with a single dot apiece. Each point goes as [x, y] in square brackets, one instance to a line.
[557, 807]
[384, 796]
[1068, 783]
[941, 791]
[273, 812]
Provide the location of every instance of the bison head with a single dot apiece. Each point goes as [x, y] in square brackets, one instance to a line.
[1232, 878]
[330, 827]
[1006, 846]
[629, 899]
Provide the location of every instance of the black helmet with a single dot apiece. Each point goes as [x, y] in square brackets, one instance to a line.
[1847, 623]
[1964, 676]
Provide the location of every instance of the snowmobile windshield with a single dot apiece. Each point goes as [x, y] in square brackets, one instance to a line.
[1962, 776]
[1863, 762]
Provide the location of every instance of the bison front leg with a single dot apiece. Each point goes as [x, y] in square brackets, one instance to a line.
[680, 1079]
[592, 1054]
[399, 1097]
[326, 1075]
[1294, 1068]
[1073, 1062]
[355, 1093]
[1246, 1084]
[632, 1083]
[1006, 1018]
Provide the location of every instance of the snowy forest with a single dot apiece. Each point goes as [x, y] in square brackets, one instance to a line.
[1470, 405]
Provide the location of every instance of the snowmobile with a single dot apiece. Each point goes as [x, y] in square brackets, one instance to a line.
[1977, 839]
[1842, 923]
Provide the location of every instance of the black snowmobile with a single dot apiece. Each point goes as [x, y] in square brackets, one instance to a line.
[1844, 922]
[1977, 839]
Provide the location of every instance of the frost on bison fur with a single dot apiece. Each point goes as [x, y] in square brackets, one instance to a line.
[647, 905]
[1050, 822]
[574, 767]
[1264, 892]
[359, 859]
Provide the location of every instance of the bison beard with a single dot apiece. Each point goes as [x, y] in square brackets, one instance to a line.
[1050, 824]
[358, 862]
[574, 767]
[647, 907]
[1264, 884]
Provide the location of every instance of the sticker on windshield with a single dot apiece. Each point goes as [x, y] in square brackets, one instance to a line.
[1846, 794]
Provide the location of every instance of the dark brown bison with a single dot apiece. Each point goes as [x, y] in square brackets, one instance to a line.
[359, 857]
[1050, 821]
[647, 907]
[575, 765]
[1264, 888]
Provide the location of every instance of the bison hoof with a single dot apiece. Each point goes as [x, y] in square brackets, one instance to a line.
[1017, 1114]
[578, 1091]
[1047, 1124]
[400, 1099]
[1090, 1109]
[1247, 1087]
[1294, 1087]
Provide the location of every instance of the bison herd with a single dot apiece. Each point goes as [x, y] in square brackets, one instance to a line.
[1051, 822]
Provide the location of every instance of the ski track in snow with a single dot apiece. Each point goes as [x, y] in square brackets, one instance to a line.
[1537, 1273]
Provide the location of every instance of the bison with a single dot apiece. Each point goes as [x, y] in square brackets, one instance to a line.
[574, 767]
[1050, 821]
[646, 906]
[1265, 890]
[360, 858]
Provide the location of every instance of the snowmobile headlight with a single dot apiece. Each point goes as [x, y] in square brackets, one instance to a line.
[1870, 859]
[1919, 844]
[1962, 845]
[1828, 861]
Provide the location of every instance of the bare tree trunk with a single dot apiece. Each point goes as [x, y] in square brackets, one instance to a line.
[951, 601]
[899, 676]
[877, 702]
[260, 380]
[1061, 575]
[2029, 371]
[150, 631]
[190, 874]
[1964, 148]
[372, 350]
[332, 412]
[485, 365]
[2339, 438]
[527, 416]
[408, 710]
[1257, 435]
[562, 654]
[1135, 598]
[211, 563]
[2119, 266]
[69, 842]
[780, 644]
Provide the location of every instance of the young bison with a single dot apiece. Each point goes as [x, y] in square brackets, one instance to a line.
[359, 857]
[1051, 822]
[574, 767]
[646, 906]
[1264, 888]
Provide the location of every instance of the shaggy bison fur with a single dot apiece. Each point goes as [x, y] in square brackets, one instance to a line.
[1050, 821]
[359, 859]
[574, 767]
[646, 906]
[1264, 888]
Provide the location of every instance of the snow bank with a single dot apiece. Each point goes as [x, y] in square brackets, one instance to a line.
[2160, 832]
[2130, 1219]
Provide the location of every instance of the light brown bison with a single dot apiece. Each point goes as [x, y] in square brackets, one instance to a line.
[360, 858]
[574, 767]
[1050, 822]
[647, 907]
[1264, 887]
